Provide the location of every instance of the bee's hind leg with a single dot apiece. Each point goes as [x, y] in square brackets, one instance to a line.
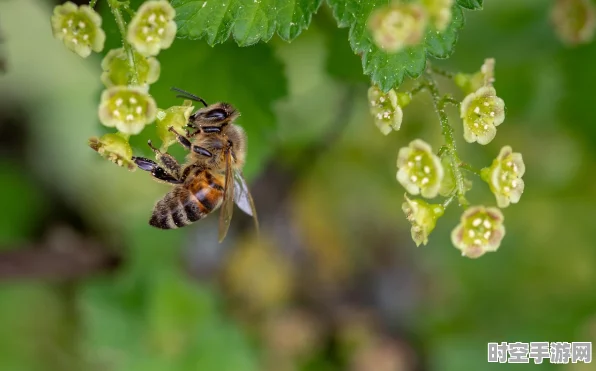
[156, 171]
[167, 161]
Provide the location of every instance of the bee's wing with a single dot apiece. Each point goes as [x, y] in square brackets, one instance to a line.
[227, 207]
[243, 198]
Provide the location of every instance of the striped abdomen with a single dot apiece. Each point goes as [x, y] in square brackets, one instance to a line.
[189, 202]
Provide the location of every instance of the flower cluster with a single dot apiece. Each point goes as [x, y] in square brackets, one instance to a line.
[397, 26]
[386, 108]
[504, 177]
[115, 148]
[423, 217]
[116, 70]
[424, 172]
[480, 231]
[403, 24]
[153, 27]
[470, 83]
[174, 117]
[126, 108]
[420, 170]
[79, 28]
[481, 112]
[128, 71]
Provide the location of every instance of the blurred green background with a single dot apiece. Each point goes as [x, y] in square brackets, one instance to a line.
[336, 282]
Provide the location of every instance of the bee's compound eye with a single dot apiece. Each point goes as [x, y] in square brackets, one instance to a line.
[218, 114]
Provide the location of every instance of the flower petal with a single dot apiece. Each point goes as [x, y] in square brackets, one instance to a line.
[403, 155]
[488, 135]
[430, 191]
[517, 192]
[469, 135]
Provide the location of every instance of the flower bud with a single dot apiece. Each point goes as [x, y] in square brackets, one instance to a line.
[481, 112]
[79, 28]
[449, 183]
[423, 217]
[397, 26]
[504, 177]
[480, 231]
[115, 148]
[128, 109]
[153, 27]
[386, 109]
[470, 83]
[116, 70]
[420, 170]
[175, 117]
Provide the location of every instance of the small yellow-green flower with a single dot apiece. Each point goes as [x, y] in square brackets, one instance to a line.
[397, 26]
[128, 109]
[423, 217]
[439, 12]
[115, 148]
[79, 28]
[480, 231]
[574, 21]
[153, 27]
[116, 70]
[470, 83]
[386, 108]
[175, 117]
[504, 177]
[481, 112]
[420, 170]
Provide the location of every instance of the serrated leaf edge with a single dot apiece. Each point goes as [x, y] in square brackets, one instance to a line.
[212, 41]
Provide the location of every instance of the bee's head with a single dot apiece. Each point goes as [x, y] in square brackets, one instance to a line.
[213, 116]
[218, 115]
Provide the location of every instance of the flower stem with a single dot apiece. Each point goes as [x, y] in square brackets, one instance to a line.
[447, 131]
[417, 89]
[449, 99]
[442, 150]
[448, 201]
[469, 168]
[126, 7]
[115, 8]
[440, 72]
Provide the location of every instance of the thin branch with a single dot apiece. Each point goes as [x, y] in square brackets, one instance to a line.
[449, 200]
[115, 8]
[447, 131]
[469, 168]
[441, 72]
[63, 256]
[418, 88]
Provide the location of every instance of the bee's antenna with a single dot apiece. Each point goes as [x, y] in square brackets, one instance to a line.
[188, 95]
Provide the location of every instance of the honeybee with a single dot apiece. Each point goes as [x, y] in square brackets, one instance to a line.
[211, 178]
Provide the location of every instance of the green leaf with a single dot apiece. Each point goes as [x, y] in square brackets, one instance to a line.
[471, 4]
[388, 70]
[249, 21]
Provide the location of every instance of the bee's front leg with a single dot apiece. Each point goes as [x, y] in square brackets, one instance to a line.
[168, 162]
[156, 171]
[181, 138]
